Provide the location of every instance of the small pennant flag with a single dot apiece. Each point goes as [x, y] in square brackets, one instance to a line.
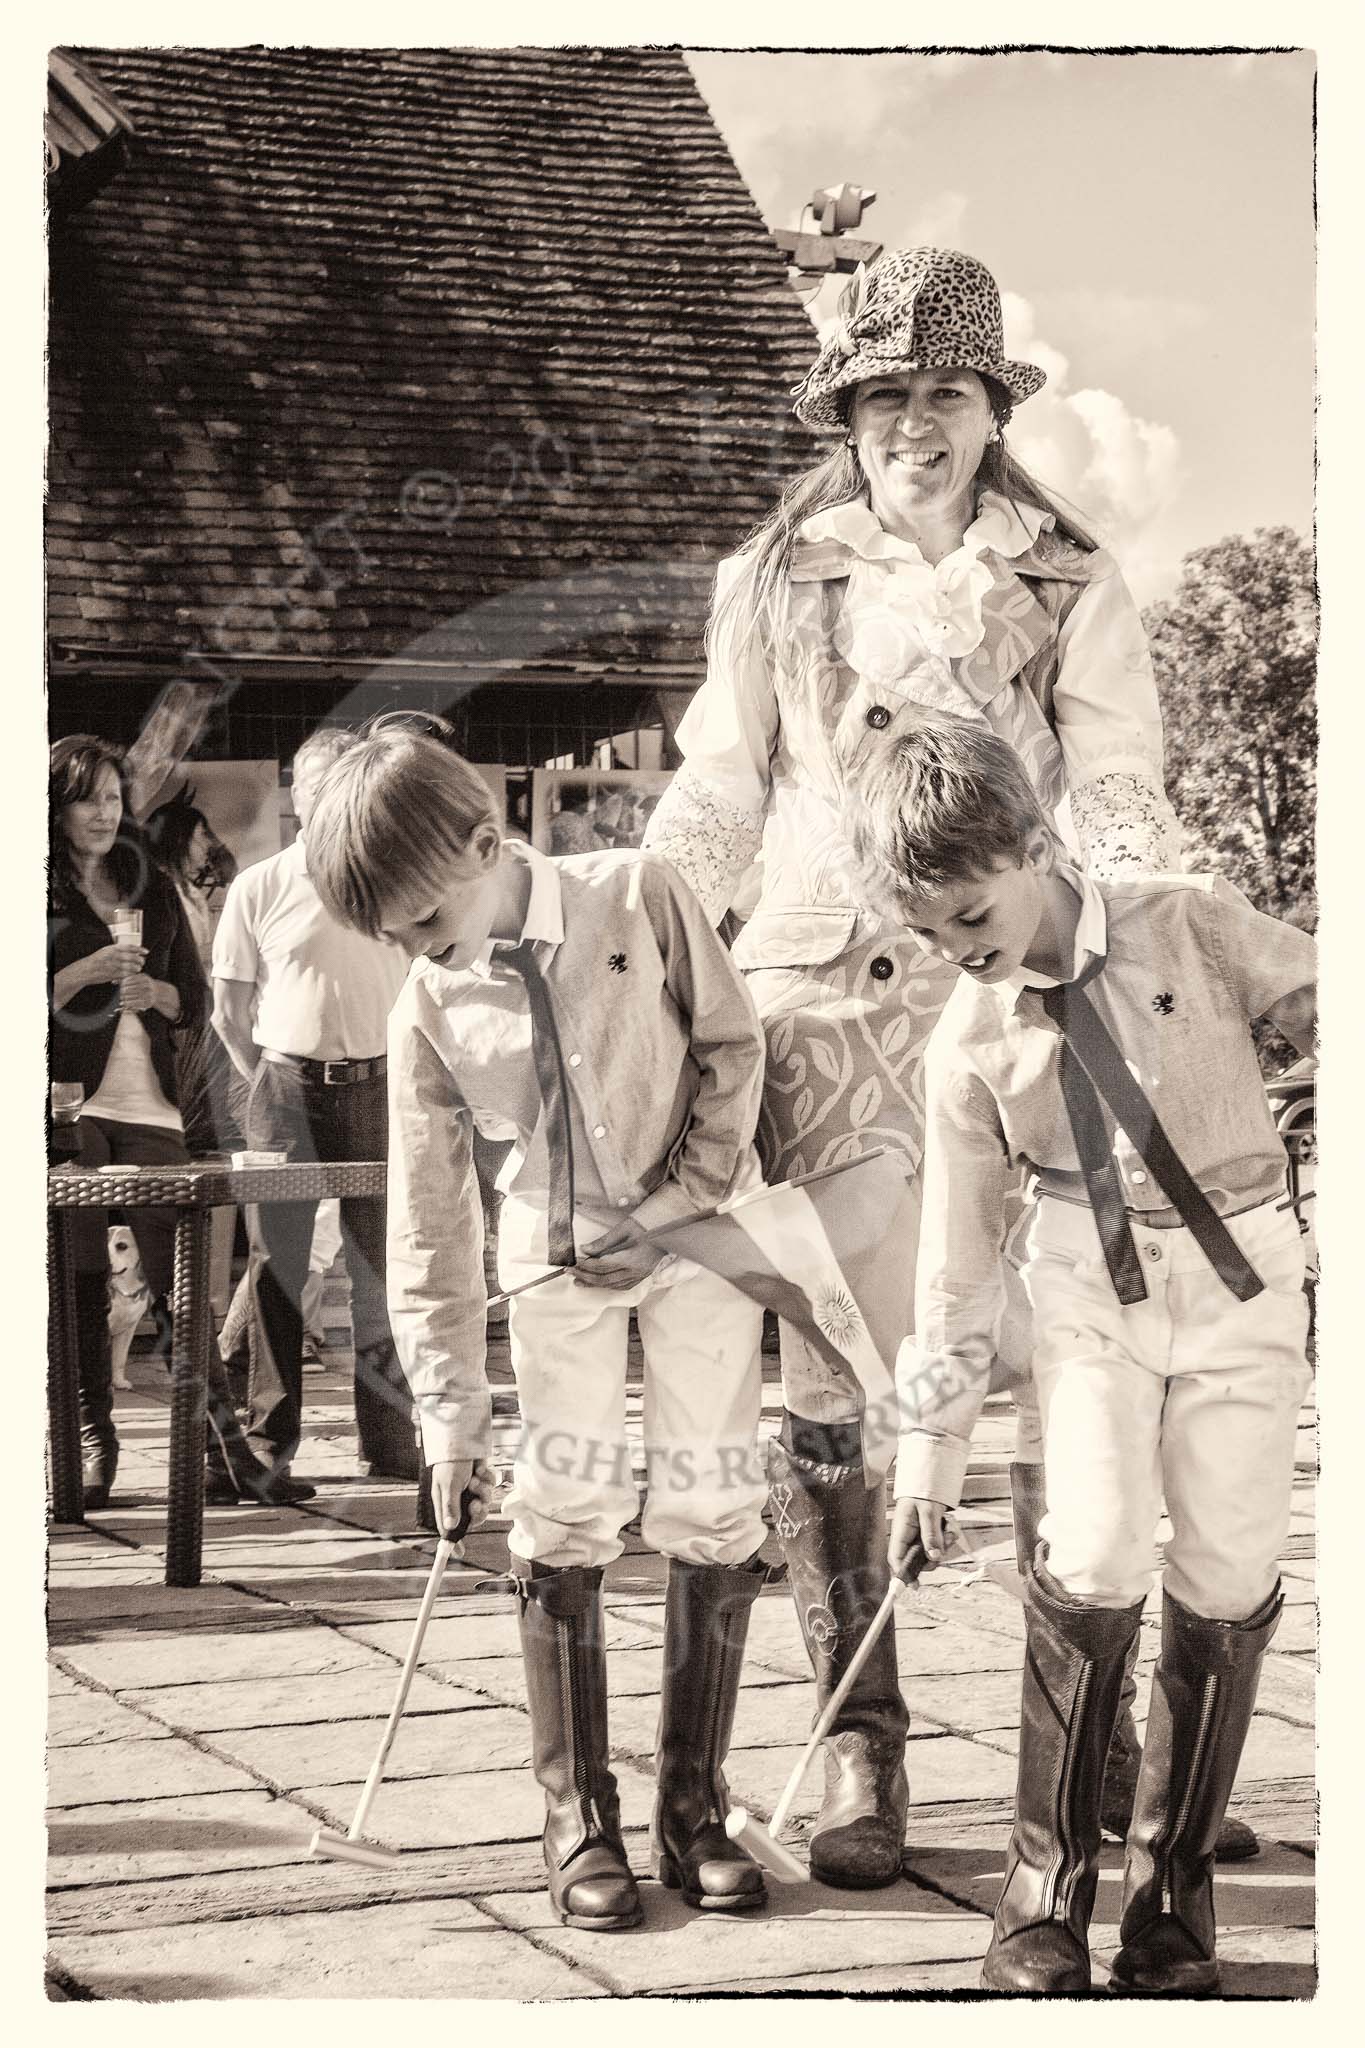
[822, 1252]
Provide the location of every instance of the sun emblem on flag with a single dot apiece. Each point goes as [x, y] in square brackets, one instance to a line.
[836, 1315]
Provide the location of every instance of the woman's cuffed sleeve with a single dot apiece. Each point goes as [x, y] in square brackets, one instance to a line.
[437, 1297]
[709, 822]
[1108, 722]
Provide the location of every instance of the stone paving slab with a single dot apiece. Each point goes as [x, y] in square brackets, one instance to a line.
[87, 1611]
[467, 1637]
[806, 1929]
[1288, 1687]
[927, 1980]
[1298, 1629]
[139, 1839]
[1277, 1749]
[105, 1771]
[142, 1661]
[82, 1716]
[952, 1648]
[424, 1949]
[296, 1701]
[478, 1738]
[939, 1767]
[458, 1808]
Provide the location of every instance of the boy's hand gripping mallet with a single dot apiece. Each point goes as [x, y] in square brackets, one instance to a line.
[348, 1848]
[762, 1843]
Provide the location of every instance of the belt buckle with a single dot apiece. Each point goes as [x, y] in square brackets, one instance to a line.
[332, 1077]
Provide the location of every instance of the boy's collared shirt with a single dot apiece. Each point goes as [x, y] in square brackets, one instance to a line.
[1189, 964]
[663, 1055]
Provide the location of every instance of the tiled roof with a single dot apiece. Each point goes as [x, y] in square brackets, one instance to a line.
[367, 353]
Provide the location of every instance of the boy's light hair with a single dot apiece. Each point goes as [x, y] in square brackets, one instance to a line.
[321, 748]
[943, 803]
[392, 816]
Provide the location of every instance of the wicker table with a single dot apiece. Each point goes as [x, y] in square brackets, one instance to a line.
[194, 1191]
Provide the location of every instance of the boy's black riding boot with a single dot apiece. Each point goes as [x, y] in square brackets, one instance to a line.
[832, 1526]
[1236, 1841]
[95, 1373]
[706, 1621]
[566, 1690]
[1203, 1693]
[1073, 1672]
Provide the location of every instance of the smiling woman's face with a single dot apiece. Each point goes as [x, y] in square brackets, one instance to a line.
[91, 823]
[920, 436]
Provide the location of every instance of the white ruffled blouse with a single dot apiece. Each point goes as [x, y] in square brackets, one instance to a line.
[771, 735]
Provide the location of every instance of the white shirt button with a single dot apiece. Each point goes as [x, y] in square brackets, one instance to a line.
[575, 1059]
[623, 1202]
[599, 1130]
[1138, 1177]
[1153, 1251]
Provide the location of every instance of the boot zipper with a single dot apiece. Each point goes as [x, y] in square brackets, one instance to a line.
[578, 1722]
[1054, 1894]
[1207, 1704]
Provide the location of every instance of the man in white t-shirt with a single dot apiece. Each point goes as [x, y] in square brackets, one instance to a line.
[302, 1005]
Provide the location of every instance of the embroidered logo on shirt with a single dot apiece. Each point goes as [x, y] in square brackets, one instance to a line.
[617, 963]
[1164, 1003]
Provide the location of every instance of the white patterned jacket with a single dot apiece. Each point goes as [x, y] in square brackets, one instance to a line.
[1018, 628]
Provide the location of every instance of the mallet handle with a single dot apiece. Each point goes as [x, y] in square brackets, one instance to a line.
[836, 1700]
[439, 1563]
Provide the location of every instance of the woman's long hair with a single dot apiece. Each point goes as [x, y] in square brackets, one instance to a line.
[756, 599]
[73, 765]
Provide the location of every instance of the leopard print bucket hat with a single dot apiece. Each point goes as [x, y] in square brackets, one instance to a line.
[917, 309]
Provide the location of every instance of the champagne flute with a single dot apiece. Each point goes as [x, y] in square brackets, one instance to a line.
[126, 926]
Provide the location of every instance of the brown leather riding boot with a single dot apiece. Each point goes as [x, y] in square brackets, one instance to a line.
[566, 1690]
[1203, 1693]
[1236, 1841]
[1073, 1669]
[706, 1620]
[832, 1527]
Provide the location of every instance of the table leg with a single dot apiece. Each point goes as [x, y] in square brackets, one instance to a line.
[189, 1398]
[63, 1377]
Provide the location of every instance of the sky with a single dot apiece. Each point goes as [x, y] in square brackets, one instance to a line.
[1149, 220]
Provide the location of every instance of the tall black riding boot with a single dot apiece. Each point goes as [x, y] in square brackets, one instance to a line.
[566, 1691]
[95, 1368]
[1073, 1671]
[1203, 1693]
[832, 1527]
[706, 1621]
[1236, 1841]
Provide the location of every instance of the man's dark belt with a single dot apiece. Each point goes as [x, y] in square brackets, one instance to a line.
[332, 1073]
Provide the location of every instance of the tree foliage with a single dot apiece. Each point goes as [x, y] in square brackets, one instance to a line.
[1234, 653]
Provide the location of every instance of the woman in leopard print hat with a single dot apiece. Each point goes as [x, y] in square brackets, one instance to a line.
[915, 565]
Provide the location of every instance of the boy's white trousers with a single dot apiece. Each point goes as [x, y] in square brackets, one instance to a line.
[573, 1487]
[1190, 1394]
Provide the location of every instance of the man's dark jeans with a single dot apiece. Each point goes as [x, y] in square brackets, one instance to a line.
[307, 1119]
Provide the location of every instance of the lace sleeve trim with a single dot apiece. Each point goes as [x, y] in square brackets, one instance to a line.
[708, 839]
[1125, 825]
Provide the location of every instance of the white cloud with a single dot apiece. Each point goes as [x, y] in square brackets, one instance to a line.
[1121, 472]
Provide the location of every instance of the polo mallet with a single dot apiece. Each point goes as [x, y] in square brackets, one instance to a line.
[349, 1848]
[762, 1843]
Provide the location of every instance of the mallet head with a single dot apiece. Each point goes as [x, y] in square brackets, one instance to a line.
[343, 1849]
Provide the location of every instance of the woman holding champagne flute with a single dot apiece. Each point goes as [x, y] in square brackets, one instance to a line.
[123, 974]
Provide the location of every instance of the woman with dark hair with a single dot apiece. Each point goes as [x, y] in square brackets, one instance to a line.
[917, 566]
[115, 1005]
[183, 842]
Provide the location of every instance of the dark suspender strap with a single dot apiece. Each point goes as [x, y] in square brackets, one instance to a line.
[1088, 1037]
[553, 1084]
